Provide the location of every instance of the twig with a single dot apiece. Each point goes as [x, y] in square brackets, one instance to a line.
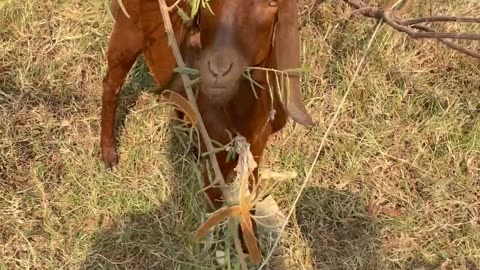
[317, 156]
[172, 7]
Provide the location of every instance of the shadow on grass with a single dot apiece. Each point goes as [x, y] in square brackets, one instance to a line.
[340, 232]
[162, 238]
[136, 242]
[141, 81]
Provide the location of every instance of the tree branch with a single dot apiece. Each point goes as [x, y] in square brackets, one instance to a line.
[415, 27]
[450, 44]
[441, 19]
[399, 26]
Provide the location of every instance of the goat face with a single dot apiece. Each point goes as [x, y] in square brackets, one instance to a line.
[234, 34]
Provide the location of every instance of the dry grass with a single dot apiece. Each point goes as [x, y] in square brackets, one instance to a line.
[397, 186]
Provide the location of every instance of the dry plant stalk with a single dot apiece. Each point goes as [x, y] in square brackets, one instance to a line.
[392, 13]
[245, 201]
[238, 206]
[164, 9]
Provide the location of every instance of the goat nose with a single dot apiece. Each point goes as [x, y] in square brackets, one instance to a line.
[219, 69]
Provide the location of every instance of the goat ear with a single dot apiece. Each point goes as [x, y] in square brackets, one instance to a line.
[286, 55]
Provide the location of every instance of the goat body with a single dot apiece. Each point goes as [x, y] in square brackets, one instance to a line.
[221, 46]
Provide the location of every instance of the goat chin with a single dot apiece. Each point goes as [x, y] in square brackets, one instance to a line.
[219, 95]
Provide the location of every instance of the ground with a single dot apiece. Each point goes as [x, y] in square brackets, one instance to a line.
[397, 185]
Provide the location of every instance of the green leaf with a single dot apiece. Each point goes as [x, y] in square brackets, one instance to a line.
[187, 71]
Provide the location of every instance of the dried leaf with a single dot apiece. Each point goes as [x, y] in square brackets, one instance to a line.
[268, 213]
[182, 104]
[250, 239]
[216, 218]
[245, 167]
[220, 256]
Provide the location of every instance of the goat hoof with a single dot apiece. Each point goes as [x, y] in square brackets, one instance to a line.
[110, 157]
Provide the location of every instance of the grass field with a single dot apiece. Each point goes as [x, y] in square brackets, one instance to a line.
[396, 187]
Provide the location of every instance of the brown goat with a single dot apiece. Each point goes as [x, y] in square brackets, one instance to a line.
[236, 35]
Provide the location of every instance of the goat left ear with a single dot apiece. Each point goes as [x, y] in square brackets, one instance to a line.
[286, 55]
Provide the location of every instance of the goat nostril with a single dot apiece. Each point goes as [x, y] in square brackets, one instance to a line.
[214, 72]
[227, 70]
[219, 70]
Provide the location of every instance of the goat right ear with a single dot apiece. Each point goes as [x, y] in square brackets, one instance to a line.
[286, 55]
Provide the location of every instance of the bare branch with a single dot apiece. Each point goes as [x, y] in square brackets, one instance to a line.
[450, 44]
[413, 28]
[441, 19]
[398, 25]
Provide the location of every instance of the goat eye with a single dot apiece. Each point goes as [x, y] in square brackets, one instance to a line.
[273, 3]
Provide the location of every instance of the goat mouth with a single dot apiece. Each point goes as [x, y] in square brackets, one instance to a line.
[215, 86]
[218, 88]
[218, 93]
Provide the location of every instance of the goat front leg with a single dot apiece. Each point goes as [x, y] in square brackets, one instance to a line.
[124, 47]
